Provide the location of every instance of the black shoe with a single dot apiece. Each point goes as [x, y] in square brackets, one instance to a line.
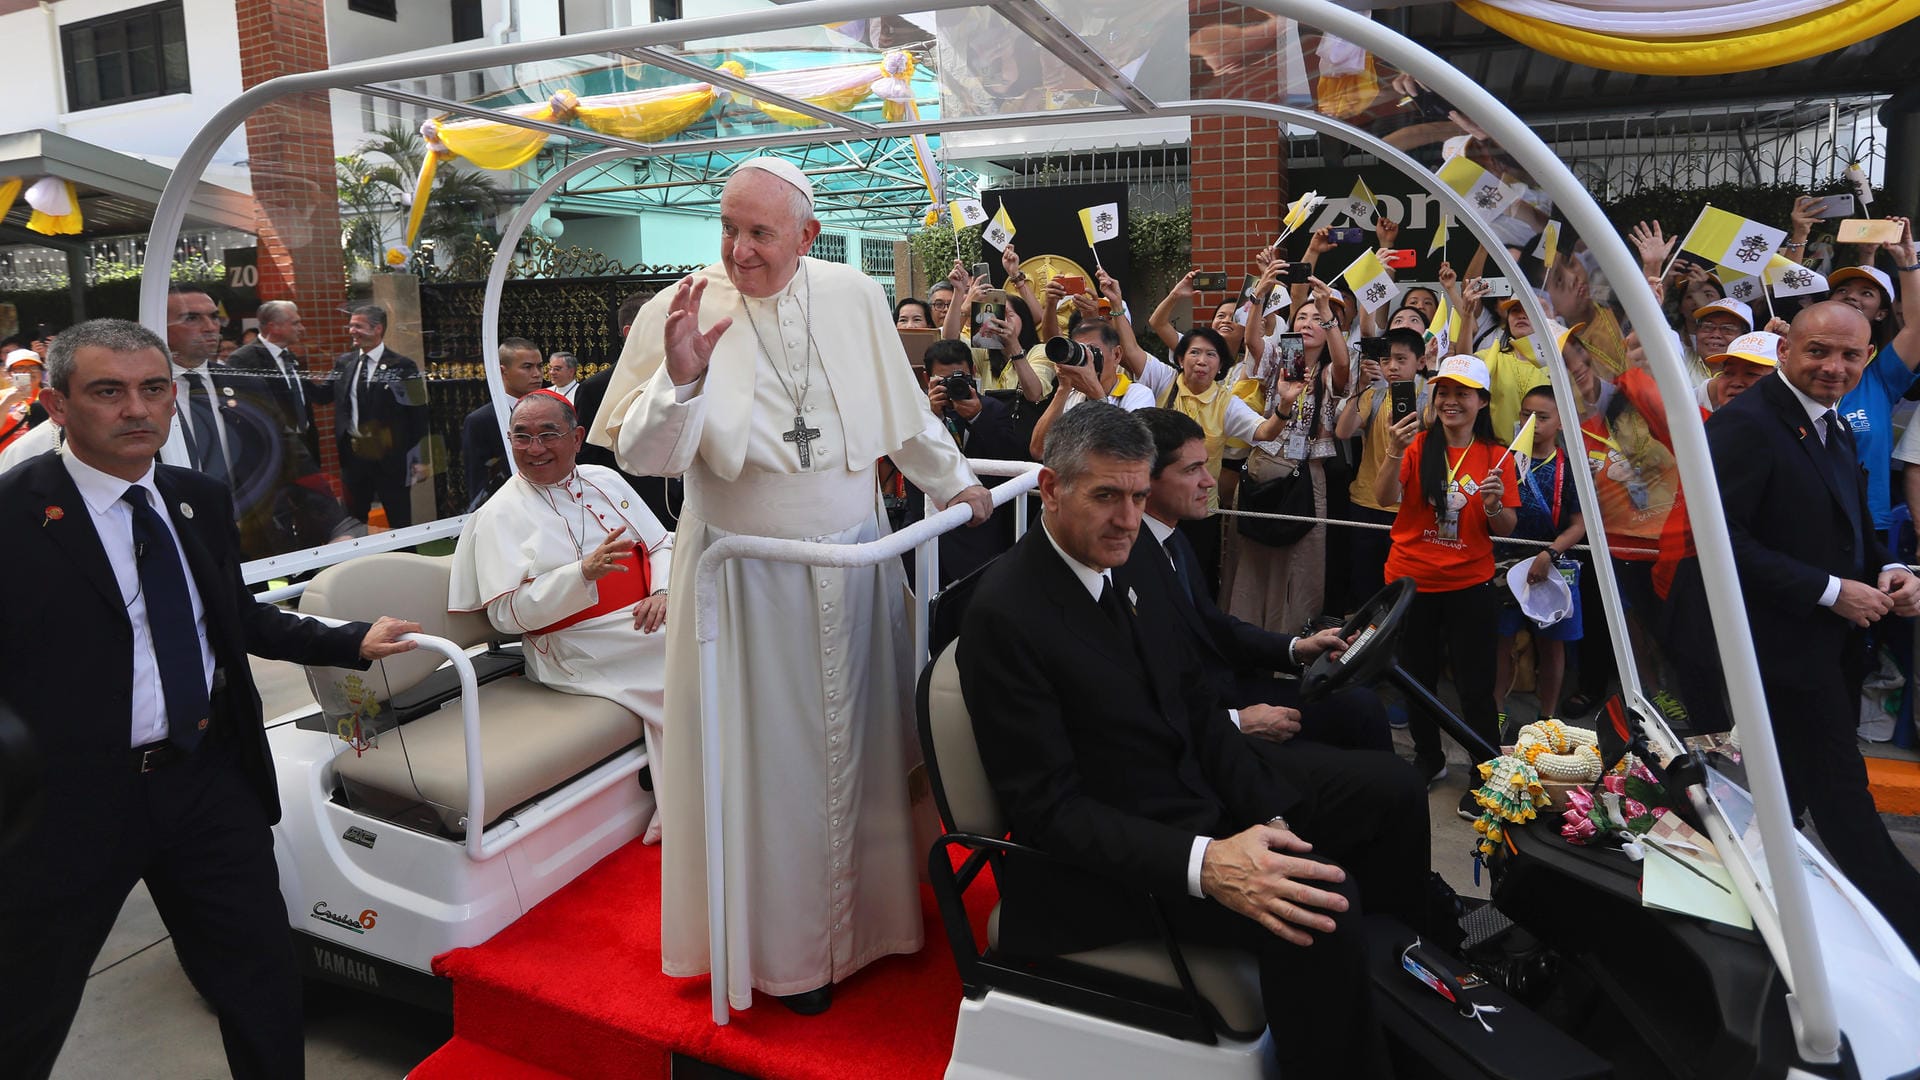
[1432, 770]
[812, 1003]
[1470, 808]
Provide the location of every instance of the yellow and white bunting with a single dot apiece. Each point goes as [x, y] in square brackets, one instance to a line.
[1370, 281]
[1732, 241]
[999, 232]
[1788, 278]
[967, 213]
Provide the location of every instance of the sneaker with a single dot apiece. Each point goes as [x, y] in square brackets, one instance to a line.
[1506, 737]
[1470, 809]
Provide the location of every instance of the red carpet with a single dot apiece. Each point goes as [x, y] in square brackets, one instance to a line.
[575, 988]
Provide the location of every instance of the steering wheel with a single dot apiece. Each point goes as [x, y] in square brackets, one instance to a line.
[1378, 624]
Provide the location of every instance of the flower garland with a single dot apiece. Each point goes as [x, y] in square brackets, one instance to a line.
[1512, 790]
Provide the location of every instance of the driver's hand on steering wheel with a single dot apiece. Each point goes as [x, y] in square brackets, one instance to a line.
[1274, 723]
[1328, 641]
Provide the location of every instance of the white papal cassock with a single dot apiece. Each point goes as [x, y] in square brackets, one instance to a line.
[518, 559]
[821, 875]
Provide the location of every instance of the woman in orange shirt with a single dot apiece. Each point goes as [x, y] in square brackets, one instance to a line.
[1455, 494]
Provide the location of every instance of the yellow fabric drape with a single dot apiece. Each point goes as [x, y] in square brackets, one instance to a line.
[491, 144]
[9, 193]
[422, 192]
[1762, 47]
[842, 101]
[646, 120]
[1341, 96]
[67, 224]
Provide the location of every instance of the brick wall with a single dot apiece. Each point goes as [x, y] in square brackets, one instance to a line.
[290, 148]
[1238, 170]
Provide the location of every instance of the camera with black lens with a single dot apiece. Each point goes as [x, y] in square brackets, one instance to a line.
[958, 385]
[1062, 350]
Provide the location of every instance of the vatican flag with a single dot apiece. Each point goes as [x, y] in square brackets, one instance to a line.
[1482, 190]
[1788, 278]
[999, 231]
[1101, 222]
[1439, 241]
[967, 213]
[1299, 209]
[1361, 203]
[1550, 244]
[1522, 447]
[1741, 286]
[1732, 241]
[1370, 282]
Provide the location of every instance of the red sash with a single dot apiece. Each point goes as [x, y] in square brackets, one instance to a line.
[617, 591]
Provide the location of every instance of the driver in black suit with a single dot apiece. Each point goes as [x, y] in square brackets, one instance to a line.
[1102, 740]
[143, 708]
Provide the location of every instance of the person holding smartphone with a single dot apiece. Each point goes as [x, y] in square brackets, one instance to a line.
[1456, 492]
[1392, 389]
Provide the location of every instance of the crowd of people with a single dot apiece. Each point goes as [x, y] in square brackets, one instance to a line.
[1210, 519]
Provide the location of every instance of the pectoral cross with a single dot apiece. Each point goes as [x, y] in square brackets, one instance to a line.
[802, 436]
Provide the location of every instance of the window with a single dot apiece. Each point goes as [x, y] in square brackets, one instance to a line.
[831, 247]
[379, 9]
[876, 256]
[138, 53]
[466, 20]
[665, 10]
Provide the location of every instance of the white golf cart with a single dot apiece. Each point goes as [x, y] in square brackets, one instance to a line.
[432, 819]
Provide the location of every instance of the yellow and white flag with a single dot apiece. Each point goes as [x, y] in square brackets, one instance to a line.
[1444, 330]
[1299, 210]
[999, 231]
[1454, 147]
[1732, 241]
[967, 213]
[1439, 241]
[1741, 286]
[1788, 278]
[1549, 246]
[1100, 222]
[1370, 281]
[1361, 202]
[1522, 447]
[1862, 187]
[1482, 190]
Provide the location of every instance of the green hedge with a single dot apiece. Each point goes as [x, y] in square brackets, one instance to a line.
[115, 294]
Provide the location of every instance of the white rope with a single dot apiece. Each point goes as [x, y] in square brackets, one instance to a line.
[1223, 512]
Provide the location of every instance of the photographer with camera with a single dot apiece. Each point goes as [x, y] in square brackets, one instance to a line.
[1087, 364]
[984, 427]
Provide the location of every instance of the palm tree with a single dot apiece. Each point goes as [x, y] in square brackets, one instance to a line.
[376, 185]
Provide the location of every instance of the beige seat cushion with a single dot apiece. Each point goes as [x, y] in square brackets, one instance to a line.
[1229, 979]
[531, 739]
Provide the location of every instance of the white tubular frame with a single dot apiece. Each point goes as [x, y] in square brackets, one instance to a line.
[1794, 941]
[482, 844]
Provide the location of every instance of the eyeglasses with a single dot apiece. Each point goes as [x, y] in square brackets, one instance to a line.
[525, 439]
[191, 317]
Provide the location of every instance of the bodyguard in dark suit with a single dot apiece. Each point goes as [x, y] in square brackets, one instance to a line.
[275, 375]
[1239, 657]
[145, 715]
[662, 494]
[1104, 746]
[483, 454]
[1815, 575]
[379, 416]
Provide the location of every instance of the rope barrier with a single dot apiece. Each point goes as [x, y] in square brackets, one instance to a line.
[1223, 512]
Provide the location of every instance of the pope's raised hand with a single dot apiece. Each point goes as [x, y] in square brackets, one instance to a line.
[689, 349]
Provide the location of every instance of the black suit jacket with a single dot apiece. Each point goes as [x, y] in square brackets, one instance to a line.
[1106, 752]
[73, 642]
[1792, 527]
[1227, 647]
[396, 408]
[253, 370]
[663, 495]
[993, 435]
[483, 456]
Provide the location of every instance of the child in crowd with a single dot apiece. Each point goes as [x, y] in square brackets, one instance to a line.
[1369, 415]
[1455, 495]
[1550, 511]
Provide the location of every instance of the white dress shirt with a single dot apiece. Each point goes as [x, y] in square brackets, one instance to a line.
[184, 378]
[1817, 414]
[113, 521]
[283, 363]
[1093, 581]
[363, 383]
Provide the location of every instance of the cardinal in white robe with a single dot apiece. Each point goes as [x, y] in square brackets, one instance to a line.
[775, 383]
[569, 557]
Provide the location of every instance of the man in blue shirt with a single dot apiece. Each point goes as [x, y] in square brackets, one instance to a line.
[1868, 407]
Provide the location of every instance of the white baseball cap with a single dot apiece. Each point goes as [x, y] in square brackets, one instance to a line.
[1465, 370]
[1545, 602]
[1758, 347]
[1728, 306]
[19, 357]
[1871, 273]
[785, 170]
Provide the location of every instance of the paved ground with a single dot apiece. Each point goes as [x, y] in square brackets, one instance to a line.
[141, 1018]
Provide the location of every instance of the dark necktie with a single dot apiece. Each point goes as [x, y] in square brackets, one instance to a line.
[1846, 476]
[176, 643]
[1115, 607]
[291, 368]
[205, 436]
[1181, 571]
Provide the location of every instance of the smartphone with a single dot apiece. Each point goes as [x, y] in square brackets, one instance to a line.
[1373, 348]
[1211, 281]
[1246, 286]
[1431, 105]
[1832, 206]
[1296, 274]
[1399, 258]
[979, 271]
[998, 298]
[1401, 400]
[1073, 283]
[1347, 236]
[1291, 349]
[1867, 231]
[1499, 287]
